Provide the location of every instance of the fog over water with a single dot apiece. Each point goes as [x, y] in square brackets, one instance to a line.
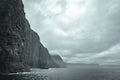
[78, 30]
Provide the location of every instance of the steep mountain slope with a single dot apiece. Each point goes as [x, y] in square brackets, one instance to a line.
[20, 46]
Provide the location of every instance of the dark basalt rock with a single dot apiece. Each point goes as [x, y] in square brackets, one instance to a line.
[12, 32]
[20, 47]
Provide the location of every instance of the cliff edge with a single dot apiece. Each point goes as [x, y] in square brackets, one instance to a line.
[59, 61]
[20, 46]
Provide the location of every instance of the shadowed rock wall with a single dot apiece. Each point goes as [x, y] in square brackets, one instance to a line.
[20, 47]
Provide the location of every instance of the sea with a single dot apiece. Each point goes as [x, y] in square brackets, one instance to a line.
[73, 73]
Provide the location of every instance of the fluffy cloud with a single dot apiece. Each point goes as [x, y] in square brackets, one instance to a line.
[78, 30]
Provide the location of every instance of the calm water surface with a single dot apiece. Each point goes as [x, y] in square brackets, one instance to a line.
[66, 74]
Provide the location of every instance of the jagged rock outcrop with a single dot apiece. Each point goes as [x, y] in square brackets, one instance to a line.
[58, 60]
[20, 47]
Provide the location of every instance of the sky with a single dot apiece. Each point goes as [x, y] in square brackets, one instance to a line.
[80, 31]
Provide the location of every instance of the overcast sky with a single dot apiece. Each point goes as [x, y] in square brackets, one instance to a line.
[78, 30]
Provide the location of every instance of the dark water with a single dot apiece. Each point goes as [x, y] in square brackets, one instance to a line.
[66, 74]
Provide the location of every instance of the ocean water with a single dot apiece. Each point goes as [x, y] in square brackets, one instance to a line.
[93, 73]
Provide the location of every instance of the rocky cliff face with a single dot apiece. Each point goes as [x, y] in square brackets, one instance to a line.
[58, 60]
[19, 45]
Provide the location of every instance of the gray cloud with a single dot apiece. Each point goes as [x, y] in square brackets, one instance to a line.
[77, 35]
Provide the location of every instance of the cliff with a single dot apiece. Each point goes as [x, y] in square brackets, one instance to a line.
[20, 47]
[58, 60]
